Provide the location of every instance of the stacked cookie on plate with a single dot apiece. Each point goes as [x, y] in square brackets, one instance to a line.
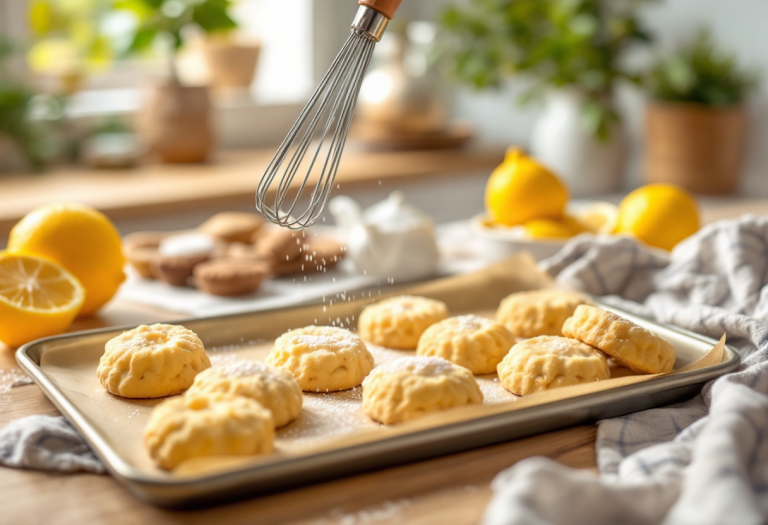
[229, 254]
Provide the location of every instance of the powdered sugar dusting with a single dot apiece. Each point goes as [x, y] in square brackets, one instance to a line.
[425, 366]
[471, 322]
[245, 369]
[12, 378]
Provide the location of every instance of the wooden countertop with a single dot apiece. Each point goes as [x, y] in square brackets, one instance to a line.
[230, 179]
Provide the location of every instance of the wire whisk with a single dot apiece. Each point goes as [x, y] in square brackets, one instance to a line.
[323, 125]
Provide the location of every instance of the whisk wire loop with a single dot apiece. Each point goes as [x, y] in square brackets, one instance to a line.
[323, 123]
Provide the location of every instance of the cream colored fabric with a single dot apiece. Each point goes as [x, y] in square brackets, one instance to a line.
[547, 362]
[538, 312]
[410, 387]
[322, 358]
[276, 389]
[199, 425]
[638, 348]
[398, 322]
[152, 361]
[474, 342]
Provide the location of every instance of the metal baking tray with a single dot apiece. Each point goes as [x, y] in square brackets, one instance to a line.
[452, 431]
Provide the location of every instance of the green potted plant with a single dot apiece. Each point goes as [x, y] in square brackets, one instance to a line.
[696, 122]
[175, 120]
[22, 140]
[571, 55]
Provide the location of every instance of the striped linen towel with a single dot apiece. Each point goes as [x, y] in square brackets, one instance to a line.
[704, 461]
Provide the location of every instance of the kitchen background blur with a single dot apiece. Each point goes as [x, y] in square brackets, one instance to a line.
[78, 70]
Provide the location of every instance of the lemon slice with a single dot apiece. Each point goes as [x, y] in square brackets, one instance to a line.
[600, 217]
[38, 298]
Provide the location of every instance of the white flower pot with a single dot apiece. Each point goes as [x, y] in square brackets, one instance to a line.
[560, 142]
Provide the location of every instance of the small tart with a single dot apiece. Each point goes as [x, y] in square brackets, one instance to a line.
[200, 425]
[546, 362]
[399, 322]
[639, 349]
[152, 361]
[233, 226]
[474, 342]
[322, 358]
[410, 387]
[229, 277]
[538, 312]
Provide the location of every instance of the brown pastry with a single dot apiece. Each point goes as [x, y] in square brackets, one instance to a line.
[279, 245]
[317, 255]
[175, 269]
[241, 251]
[140, 258]
[232, 226]
[144, 240]
[229, 277]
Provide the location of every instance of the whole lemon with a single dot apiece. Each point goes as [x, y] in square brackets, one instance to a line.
[549, 229]
[660, 215]
[80, 239]
[521, 190]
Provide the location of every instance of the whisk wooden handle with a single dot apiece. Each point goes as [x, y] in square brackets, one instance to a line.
[385, 7]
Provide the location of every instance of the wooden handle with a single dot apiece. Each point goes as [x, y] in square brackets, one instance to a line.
[385, 7]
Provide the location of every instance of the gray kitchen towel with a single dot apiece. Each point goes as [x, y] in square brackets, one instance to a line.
[703, 461]
[46, 443]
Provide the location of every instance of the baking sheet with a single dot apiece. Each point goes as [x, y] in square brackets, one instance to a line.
[331, 422]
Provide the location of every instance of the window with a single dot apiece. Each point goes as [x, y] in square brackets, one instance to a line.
[282, 83]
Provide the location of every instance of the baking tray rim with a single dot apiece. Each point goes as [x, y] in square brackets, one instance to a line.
[125, 472]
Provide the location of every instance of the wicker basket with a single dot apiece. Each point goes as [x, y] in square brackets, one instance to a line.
[697, 147]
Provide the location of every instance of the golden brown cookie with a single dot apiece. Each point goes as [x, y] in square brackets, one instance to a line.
[140, 259]
[274, 388]
[398, 322]
[233, 226]
[322, 358]
[317, 255]
[152, 361]
[632, 345]
[145, 239]
[200, 425]
[476, 343]
[175, 269]
[546, 362]
[538, 312]
[230, 277]
[279, 245]
[411, 387]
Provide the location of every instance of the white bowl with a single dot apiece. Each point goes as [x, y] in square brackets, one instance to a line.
[499, 243]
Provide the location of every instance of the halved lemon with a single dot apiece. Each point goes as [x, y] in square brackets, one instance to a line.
[38, 298]
[599, 217]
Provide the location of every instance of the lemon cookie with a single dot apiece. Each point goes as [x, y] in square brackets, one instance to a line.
[538, 312]
[274, 388]
[409, 387]
[632, 345]
[199, 425]
[322, 358]
[473, 342]
[398, 322]
[152, 361]
[546, 362]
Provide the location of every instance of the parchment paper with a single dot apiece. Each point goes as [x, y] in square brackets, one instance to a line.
[332, 420]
